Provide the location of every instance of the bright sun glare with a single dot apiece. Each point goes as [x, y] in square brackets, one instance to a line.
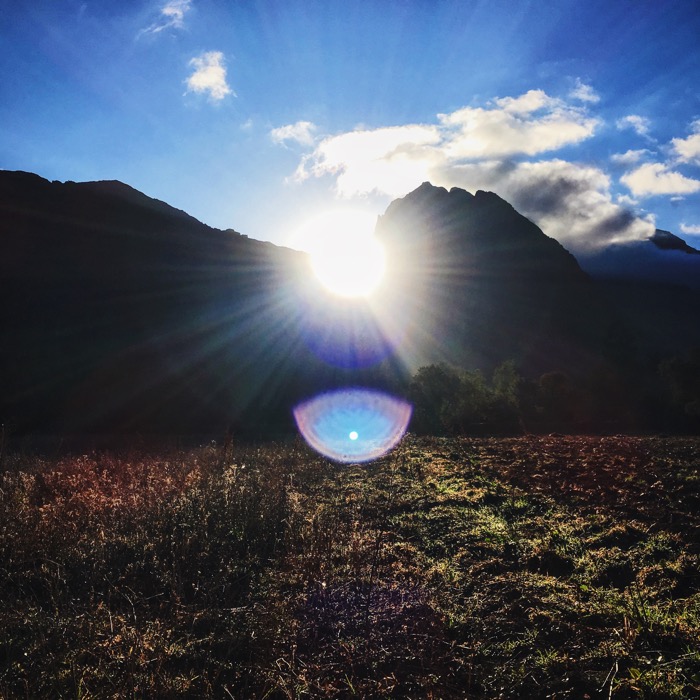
[345, 256]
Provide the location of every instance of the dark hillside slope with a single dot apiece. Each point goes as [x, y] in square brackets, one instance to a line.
[121, 313]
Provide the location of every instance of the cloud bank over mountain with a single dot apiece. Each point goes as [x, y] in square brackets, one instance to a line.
[528, 149]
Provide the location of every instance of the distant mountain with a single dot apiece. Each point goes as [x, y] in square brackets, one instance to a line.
[664, 258]
[665, 240]
[655, 286]
[122, 313]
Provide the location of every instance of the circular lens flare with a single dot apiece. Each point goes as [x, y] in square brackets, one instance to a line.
[353, 425]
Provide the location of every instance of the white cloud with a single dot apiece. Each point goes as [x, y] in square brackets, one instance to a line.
[209, 76]
[390, 160]
[172, 16]
[475, 148]
[584, 93]
[531, 101]
[690, 228]
[629, 157]
[640, 125]
[530, 124]
[688, 149]
[626, 201]
[656, 178]
[394, 160]
[301, 132]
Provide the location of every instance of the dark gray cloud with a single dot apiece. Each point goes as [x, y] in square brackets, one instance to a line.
[549, 195]
[570, 202]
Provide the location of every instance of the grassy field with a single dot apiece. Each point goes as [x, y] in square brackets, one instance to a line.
[532, 567]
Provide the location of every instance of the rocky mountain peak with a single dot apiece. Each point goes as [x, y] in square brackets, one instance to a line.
[490, 277]
[665, 240]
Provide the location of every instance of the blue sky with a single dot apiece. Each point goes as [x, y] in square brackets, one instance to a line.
[257, 116]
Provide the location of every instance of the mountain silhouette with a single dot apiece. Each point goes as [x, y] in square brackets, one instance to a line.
[484, 284]
[121, 313]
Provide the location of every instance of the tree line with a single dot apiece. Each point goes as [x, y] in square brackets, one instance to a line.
[610, 398]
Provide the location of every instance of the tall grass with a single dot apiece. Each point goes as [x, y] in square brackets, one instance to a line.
[134, 575]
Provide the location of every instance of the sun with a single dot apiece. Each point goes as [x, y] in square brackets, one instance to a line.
[345, 256]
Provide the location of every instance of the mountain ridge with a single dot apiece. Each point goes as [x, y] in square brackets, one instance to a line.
[124, 313]
[104, 287]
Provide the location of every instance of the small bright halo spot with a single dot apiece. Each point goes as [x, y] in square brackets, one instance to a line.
[353, 435]
[345, 256]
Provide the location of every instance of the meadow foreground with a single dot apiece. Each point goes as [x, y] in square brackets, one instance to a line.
[532, 567]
